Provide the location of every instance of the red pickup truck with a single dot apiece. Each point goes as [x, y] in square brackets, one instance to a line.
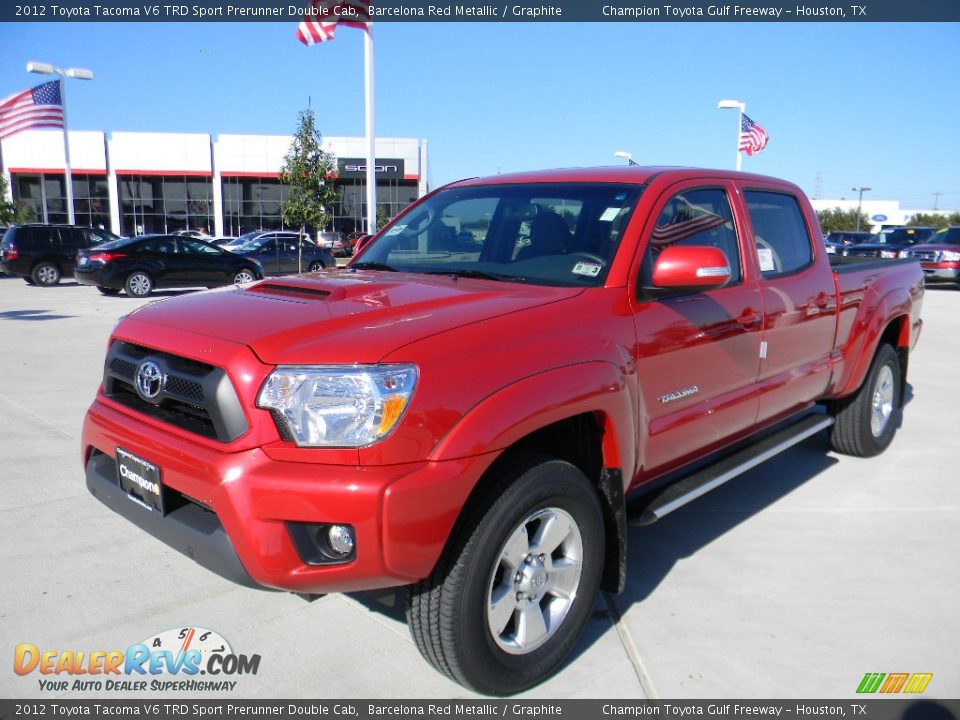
[503, 378]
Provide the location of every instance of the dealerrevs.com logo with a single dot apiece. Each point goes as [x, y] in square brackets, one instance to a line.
[189, 659]
[893, 683]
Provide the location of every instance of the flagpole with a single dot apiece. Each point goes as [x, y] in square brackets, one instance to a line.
[371, 150]
[66, 153]
[743, 109]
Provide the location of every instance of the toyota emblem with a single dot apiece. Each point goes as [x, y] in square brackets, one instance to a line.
[150, 380]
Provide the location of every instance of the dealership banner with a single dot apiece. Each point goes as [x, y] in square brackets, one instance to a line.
[161, 709]
[493, 11]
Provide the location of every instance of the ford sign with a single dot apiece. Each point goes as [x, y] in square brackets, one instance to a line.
[879, 218]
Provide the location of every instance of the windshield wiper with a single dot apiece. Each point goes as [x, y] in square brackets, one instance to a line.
[479, 275]
[372, 266]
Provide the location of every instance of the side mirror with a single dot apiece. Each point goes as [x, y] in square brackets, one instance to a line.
[691, 268]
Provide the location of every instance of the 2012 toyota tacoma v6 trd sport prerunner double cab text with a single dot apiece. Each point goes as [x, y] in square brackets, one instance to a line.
[476, 407]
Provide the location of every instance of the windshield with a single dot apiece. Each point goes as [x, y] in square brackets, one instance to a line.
[901, 236]
[543, 234]
[947, 236]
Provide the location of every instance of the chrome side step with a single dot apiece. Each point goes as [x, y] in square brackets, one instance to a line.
[703, 481]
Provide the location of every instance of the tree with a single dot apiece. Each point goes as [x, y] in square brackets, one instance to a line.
[933, 220]
[307, 169]
[12, 213]
[383, 215]
[838, 219]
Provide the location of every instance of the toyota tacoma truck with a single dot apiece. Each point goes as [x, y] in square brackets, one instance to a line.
[509, 373]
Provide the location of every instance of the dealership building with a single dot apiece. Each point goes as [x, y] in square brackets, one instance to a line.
[136, 182]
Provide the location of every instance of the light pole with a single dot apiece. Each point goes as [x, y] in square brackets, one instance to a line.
[741, 108]
[625, 155]
[860, 190]
[79, 74]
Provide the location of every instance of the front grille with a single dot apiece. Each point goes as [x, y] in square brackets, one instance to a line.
[194, 396]
[926, 255]
[864, 253]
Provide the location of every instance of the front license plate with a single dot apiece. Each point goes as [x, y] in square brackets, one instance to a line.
[140, 480]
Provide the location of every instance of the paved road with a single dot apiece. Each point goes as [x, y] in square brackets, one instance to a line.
[792, 581]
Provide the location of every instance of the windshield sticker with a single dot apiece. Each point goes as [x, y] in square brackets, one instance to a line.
[609, 214]
[396, 230]
[587, 269]
[766, 259]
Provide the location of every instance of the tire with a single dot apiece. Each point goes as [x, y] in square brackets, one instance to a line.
[46, 274]
[108, 291]
[243, 276]
[138, 284]
[866, 421]
[495, 615]
[316, 265]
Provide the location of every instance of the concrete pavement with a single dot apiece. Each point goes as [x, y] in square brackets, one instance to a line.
[791, 581]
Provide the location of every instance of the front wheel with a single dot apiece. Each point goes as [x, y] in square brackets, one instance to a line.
[46, 274]
[516, 584]
[315, 265]
[866, 421]
[243, 277]
[138, 284]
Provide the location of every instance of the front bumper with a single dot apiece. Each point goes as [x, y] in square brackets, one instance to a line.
[230, 511]
[945, 271]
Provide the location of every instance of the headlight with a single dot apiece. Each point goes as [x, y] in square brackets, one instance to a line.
[950, 255]
[905, 254]
[338, 406]
[888, 253]
[831, 250]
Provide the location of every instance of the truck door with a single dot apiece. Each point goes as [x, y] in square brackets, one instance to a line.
[799, 302]
[697, 353]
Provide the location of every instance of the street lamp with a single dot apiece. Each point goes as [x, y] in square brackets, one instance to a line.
[741, 108]
[77, 74]
[625, 155]
[860, 190]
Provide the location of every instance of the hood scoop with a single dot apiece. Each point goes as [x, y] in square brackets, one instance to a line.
[296, 290]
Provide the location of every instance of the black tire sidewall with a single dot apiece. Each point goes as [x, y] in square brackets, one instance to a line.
[315, 266]
[551, 484]
[886, 357]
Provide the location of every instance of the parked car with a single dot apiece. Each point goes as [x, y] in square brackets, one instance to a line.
[939, 255]
[335, 242]
[837, 240]
[471, 425]
[889, 242]
[42, 254]
[277, 253]
[141, 264]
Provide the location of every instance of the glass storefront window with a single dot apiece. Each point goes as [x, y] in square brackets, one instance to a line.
[164, 203]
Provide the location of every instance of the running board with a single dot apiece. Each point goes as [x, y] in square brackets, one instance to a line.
[713, 476]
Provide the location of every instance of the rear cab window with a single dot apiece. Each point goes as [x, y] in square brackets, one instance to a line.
[780, 233]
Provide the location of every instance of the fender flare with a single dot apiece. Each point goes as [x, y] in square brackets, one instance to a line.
[872, 322]
[516, 410]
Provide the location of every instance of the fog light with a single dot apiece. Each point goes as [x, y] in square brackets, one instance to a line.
[340, 539]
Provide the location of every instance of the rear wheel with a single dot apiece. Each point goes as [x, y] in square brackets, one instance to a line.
[46, 274]
[867, 420]
[108, 291]
[516, 584]
[138, 284]
[315, 265]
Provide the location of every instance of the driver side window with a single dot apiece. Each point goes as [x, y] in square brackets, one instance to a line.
[694, 217]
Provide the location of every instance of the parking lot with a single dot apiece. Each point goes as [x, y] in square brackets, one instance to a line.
[793, 580]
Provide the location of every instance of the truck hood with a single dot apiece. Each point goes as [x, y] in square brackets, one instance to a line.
[344, 316]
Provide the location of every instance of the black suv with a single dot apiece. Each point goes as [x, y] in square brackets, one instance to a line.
[42, 254]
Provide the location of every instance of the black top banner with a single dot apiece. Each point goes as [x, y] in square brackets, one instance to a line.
[493, 11]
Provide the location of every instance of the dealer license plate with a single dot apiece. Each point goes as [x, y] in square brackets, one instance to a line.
[140, 480]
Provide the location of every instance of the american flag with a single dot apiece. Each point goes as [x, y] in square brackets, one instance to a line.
[753, 138]
[35, 108]
[320, 22]
[685, 222]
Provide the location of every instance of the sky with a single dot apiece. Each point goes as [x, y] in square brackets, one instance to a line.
[845, 104]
